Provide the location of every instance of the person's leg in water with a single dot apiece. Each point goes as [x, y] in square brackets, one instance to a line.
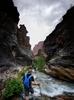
[26, 94]
[32, 92]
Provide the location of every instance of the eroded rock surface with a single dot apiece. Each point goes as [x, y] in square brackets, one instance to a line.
[59, 46]
[12, 50]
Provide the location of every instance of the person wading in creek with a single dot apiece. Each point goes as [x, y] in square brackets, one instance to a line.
[28, 81]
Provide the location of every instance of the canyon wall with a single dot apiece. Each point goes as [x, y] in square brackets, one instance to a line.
[59, 46]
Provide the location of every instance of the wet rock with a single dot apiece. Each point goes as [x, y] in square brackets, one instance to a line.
[63, 97]
[61, 73]
[60, 97]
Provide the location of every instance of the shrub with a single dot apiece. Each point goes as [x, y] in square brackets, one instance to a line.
[13, 87]
[39, 62]
[22, 72]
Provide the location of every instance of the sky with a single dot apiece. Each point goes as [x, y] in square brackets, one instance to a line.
[41, 16]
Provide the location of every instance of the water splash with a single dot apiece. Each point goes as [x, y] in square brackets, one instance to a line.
[51, 87]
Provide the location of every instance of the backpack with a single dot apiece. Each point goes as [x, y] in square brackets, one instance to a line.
[26, 81]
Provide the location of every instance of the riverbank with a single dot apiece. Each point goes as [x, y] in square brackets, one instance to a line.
[60, 97]
[61, 73]
[44, 97]
[50, 88]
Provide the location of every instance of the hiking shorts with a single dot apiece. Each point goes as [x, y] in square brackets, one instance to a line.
[27, 91]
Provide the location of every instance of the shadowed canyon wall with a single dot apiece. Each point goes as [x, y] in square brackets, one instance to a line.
[15, 48]
[59, 46]
[10, 43]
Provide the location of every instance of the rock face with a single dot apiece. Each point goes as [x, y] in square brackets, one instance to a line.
[10, 45]
[59, 45]
[9, 18]
[23, 54]
[38, 48]
[13, 49]
[22, 37]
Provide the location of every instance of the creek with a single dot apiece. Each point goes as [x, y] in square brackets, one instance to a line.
[51, 87]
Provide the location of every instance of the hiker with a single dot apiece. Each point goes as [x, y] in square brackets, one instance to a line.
[28, 81]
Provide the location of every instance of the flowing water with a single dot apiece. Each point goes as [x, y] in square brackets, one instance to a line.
[50, 86]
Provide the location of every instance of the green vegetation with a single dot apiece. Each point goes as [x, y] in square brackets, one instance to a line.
[22, 72]
[39, 62]
[13, 87]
